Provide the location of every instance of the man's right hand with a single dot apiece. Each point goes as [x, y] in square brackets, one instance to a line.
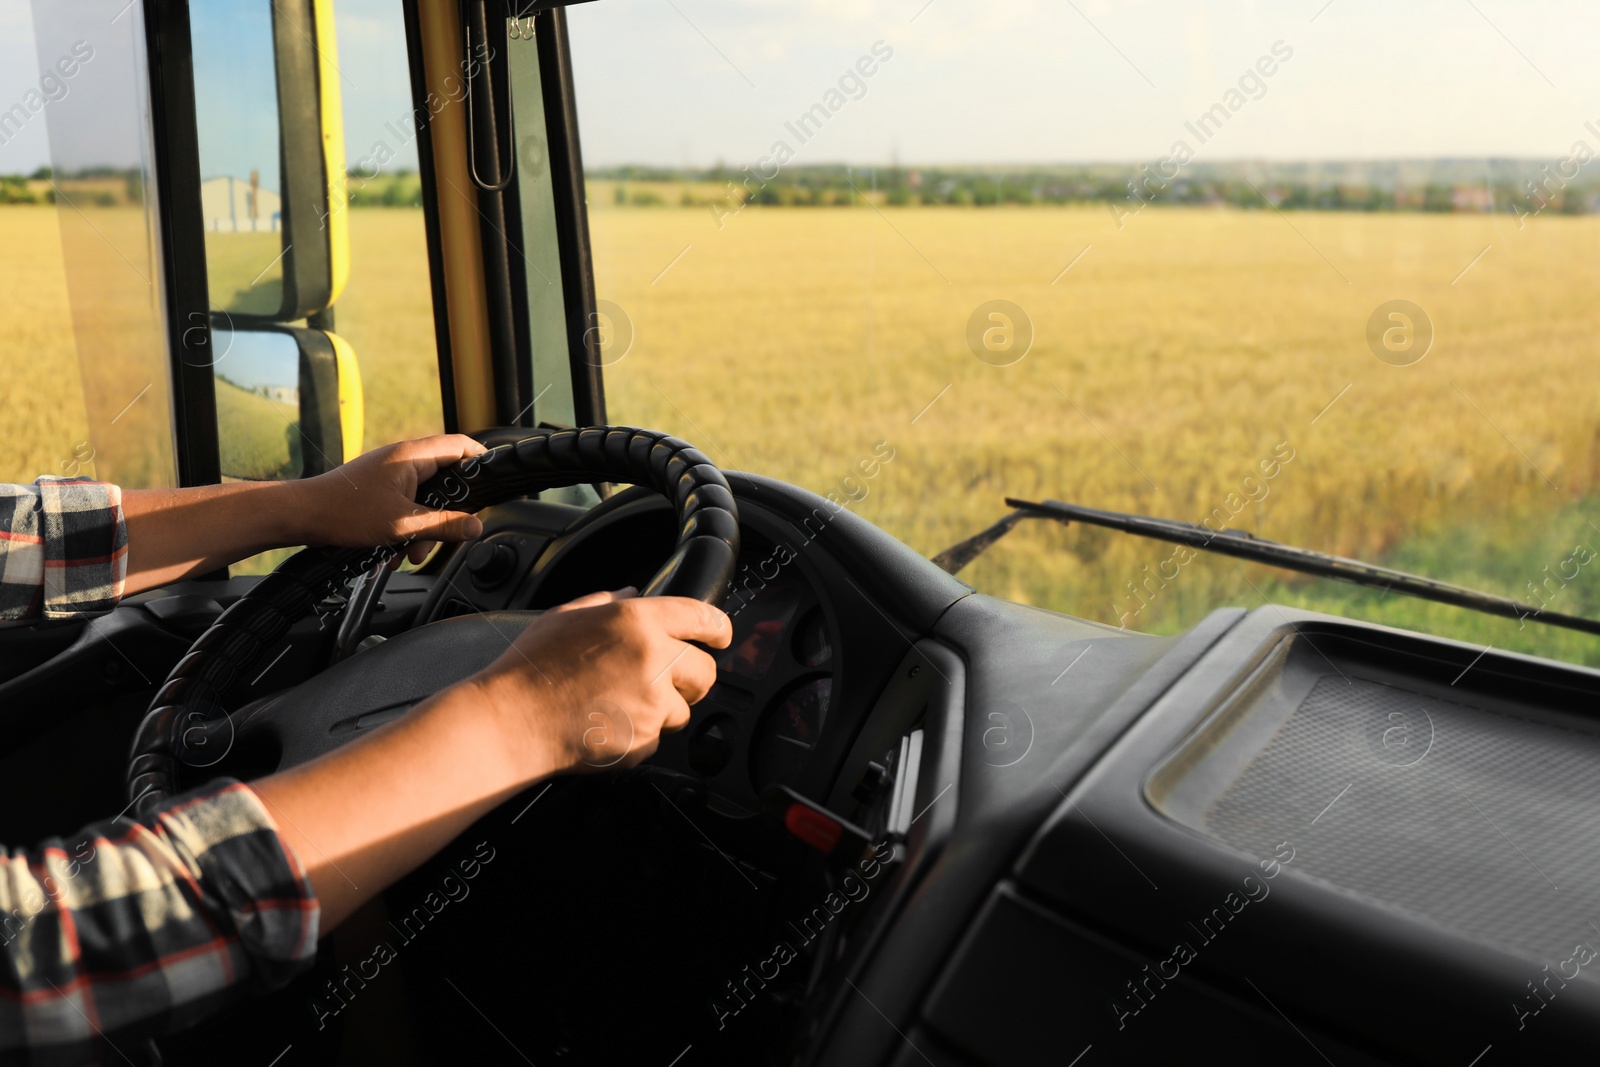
[590, 684]
[594, 683]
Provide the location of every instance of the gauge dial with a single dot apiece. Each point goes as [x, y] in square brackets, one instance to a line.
[790, 732]
[760, 627]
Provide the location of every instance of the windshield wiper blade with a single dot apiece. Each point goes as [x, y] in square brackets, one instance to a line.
[1242, 545]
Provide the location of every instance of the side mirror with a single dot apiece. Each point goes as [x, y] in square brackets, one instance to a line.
[289, 403]
[271, 144]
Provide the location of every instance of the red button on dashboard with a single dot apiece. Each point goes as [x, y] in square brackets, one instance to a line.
[812, 827]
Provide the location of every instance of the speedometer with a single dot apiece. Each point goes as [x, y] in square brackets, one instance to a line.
[789, 732]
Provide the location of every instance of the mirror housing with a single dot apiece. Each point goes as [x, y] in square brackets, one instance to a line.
[289, 403]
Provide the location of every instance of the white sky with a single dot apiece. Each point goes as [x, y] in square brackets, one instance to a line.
[19, 72]
[1038, 80]
[692, 82]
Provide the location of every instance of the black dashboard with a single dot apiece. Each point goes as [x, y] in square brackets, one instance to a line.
[1296, 835]
[1076, 814]
[1310, 838]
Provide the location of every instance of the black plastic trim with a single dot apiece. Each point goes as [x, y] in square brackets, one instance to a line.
[307, 260]
[1369, 954]
[572, 215]
[181, 231]
[996, 819]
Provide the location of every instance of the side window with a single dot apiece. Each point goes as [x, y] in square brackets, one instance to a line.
[386, 312]
[83, 345]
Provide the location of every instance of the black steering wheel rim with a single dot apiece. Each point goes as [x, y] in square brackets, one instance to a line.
[701, 566]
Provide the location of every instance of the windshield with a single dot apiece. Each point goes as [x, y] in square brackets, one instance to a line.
[1321, 271]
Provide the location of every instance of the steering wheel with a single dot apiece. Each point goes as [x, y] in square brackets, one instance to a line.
[193, 699]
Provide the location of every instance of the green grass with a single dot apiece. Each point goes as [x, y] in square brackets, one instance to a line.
[1553, 561]
[259, 438]
[1503, 555]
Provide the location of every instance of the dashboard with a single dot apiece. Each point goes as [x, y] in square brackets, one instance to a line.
[1265, 832]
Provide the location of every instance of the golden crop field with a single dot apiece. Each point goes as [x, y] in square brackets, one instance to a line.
[1175, 356]
[41, 413]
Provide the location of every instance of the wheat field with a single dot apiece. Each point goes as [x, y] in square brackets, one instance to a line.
[1171, 358]
[1174, 356]
[41, 415]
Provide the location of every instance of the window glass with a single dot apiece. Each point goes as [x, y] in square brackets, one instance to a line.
[541, 254]
[1323, 272]
[82, 332]
[41, 415]
[386, 311]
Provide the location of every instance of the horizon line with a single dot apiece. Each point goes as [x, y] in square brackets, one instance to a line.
[1105, 162]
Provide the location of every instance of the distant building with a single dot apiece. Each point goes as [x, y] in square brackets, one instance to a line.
[240, 205]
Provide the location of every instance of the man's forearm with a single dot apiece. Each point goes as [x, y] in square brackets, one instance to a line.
[367, 502]
[363, 815]
[174, 533]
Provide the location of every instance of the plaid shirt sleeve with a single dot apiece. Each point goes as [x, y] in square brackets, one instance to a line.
[63, 550]
[131, 929]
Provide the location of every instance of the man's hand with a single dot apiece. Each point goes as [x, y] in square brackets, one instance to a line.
[371, 500]
[594, 683]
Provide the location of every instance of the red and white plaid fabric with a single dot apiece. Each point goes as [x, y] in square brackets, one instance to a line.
[63, 549]
[129, 928]
[126, 929]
